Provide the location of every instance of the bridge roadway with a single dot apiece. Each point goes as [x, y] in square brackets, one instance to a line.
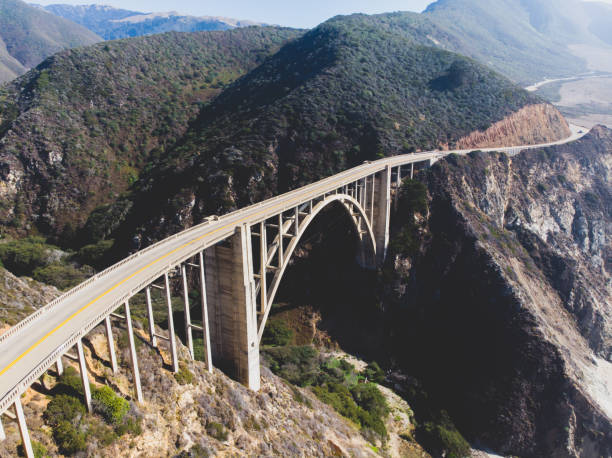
[32, 346]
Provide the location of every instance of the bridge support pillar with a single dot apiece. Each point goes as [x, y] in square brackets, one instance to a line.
[23, 429]
[171, 334]
[188, 328]
[84, 376]
[151, 319]
[233, 308]
[111, 344]
[205, 321]
[382, 212]
[133, 355]
[2, 433]
[59, 366]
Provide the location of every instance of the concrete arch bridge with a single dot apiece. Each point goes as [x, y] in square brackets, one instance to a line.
[240, 259]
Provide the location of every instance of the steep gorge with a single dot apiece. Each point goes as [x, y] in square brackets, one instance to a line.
[509, 295]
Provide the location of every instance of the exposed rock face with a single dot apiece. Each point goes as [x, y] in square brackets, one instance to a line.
[510, 298]
[532, 124]
[20, 296]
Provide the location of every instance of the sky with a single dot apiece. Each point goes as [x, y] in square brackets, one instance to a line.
[302, 13]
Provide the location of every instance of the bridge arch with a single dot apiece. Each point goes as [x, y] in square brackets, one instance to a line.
[365, 234]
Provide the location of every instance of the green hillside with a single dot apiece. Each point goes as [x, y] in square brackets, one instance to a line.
[76, 131]
[28, 35]
[350, 90]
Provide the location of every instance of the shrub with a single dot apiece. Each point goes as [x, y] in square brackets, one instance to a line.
[70, 383]
[298, 365]
[277, 333]
[374, 373]
[368, 397]
[63, 276]
[216, 430]
[339, 397]
[132, 425]
[443, 439]
[68, 439]
[63, 408]
[97, 254]
[40, 451]
[184, 376]
[112, 407]
[21, 257]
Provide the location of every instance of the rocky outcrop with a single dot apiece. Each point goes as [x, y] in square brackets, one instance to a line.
[20, 296]
[531, 125]
[509, 299]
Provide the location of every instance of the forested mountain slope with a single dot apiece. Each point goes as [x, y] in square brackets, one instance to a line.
[28, 35]
[353, 89]
[76, 131]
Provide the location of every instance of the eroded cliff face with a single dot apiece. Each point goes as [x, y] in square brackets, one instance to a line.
[531, 125]
[21, 296]
[508, 304]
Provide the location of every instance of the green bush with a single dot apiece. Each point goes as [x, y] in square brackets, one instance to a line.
[369, 398]
[69, 440]
[374, 373]
[73, 427]
[70, 383]
[184, 376]
[63, 408]
[97, 254]
[363, 404]
[277, 333]
[21, 257]
[64, 414]
[40, 451]
[216, 430]
[131, 425]
[443, 439]
[339, 397]
[298, 365]
[62, 276]
[111, 406]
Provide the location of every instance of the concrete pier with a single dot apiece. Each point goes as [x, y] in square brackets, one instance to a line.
[232, 308]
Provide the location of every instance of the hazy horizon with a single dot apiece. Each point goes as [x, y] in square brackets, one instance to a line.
[303, 15]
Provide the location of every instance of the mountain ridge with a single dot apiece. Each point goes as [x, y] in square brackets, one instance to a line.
[28, 35]
[115, 23]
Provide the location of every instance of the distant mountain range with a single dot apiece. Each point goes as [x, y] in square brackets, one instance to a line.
[113, 23]
[526, 40]
[29, 35]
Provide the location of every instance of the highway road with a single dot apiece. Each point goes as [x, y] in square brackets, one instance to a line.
[32, 346]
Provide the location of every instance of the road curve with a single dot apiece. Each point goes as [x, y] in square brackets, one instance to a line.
[33, 345]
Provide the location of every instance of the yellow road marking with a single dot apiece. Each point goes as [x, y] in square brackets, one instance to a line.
[36, 344]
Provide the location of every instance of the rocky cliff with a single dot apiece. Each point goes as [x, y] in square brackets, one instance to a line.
[508, 297]
[531, 125]
[21, 296]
